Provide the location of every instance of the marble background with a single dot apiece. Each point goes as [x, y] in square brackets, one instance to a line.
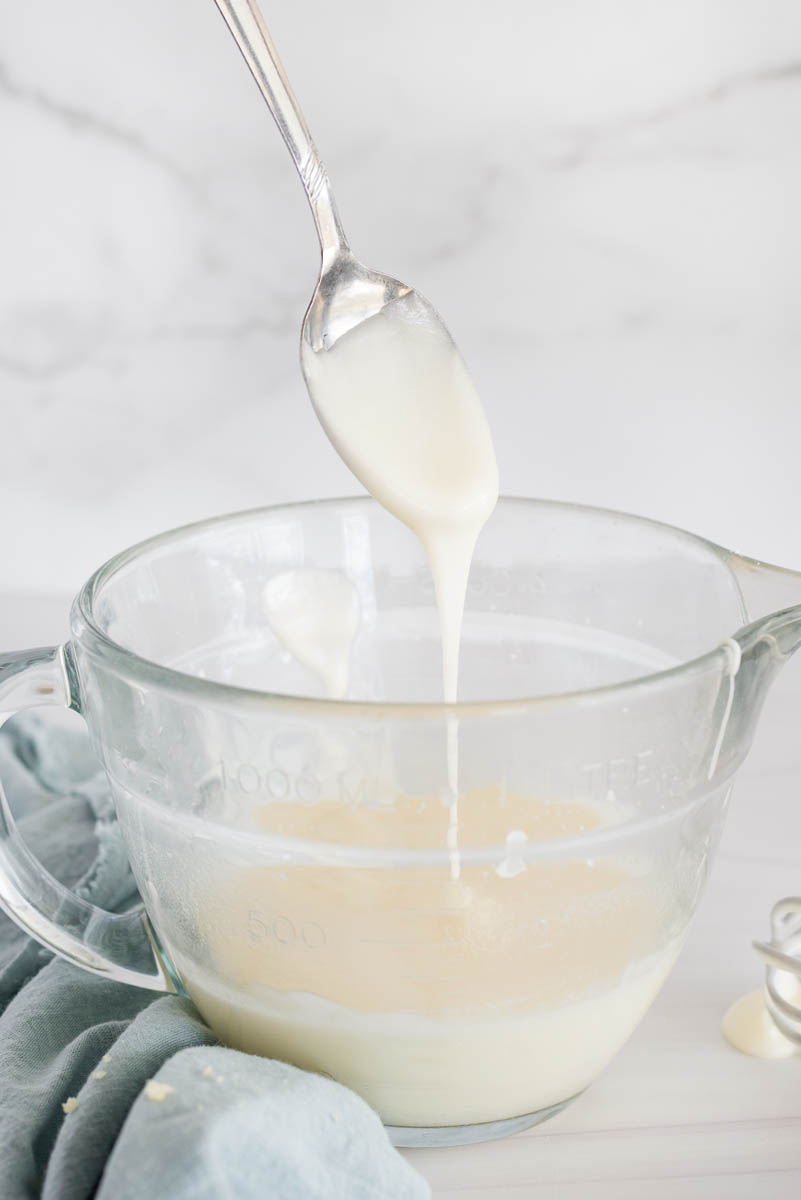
[602, 197]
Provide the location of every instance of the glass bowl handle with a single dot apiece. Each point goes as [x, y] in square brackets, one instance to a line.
[121, 946]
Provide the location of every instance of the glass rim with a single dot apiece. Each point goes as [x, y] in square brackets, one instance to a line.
[172, 679]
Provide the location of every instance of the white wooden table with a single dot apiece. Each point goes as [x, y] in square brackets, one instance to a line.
[678, 1114]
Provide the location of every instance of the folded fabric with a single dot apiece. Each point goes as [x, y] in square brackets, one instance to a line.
[113, 1092]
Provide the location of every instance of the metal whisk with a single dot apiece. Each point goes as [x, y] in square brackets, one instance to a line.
[782, 956]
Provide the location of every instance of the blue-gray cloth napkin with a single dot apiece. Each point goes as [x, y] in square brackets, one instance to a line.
[224, 1124]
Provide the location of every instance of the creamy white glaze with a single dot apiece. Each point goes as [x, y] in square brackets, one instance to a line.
[749, 1027]
[426, 1071]
[315, 615]
[397, 402]
[440, 1001]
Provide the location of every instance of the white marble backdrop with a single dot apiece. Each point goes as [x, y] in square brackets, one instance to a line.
[603, 198]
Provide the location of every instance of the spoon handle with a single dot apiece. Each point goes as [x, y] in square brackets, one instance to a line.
[251, 35]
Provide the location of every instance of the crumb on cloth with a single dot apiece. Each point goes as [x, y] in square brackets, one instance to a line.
[70, 1104]
[157, 1091]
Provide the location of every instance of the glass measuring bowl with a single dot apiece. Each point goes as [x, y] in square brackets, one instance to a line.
[291, 851]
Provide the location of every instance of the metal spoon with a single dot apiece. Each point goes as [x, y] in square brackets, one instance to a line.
[347, 292]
